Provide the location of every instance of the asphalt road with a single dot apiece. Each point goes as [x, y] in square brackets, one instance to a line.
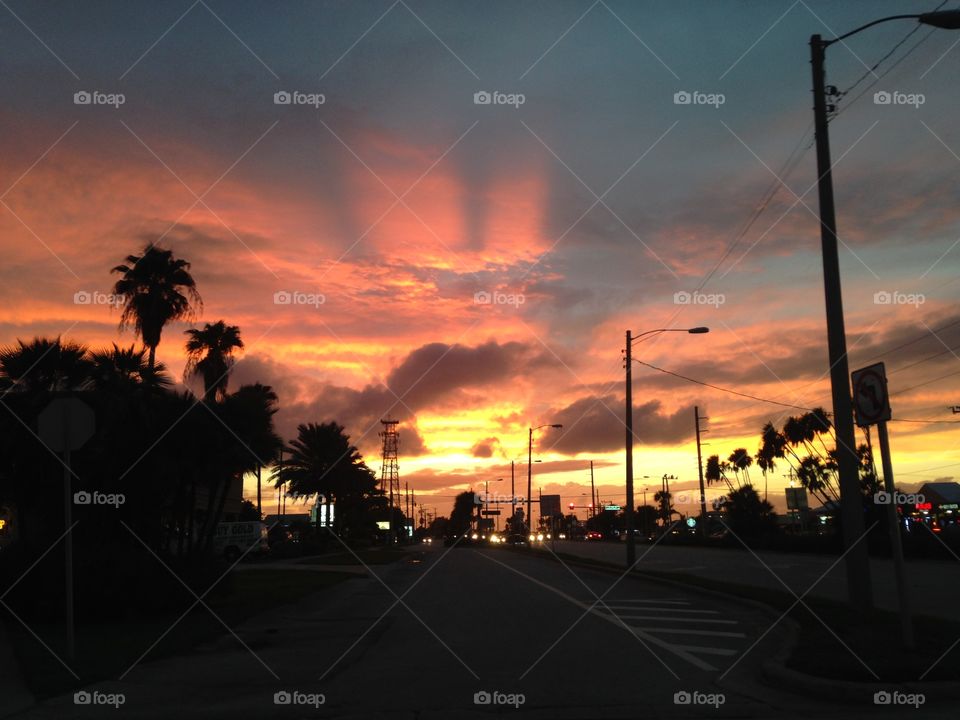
[541, 639]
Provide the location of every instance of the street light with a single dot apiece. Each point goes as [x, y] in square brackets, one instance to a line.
[628, 510]
[856, 559]
[530, 467]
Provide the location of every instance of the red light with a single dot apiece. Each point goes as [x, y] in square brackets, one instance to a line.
[572, 506]
[924, 506]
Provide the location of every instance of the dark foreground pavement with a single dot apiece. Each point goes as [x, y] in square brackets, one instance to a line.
[519, 630]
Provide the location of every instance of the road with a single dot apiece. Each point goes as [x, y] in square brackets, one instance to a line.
[933, 583]
[471, 621]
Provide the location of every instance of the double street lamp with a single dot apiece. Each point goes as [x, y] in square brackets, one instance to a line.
[530, 467]
[628, 508]
[858, 570]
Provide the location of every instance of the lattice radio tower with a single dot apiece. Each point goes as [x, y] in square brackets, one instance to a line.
[389, 469]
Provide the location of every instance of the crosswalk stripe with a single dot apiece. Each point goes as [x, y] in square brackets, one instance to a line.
[663, 609]
[706, 650]
[687, 631]
[677, 619]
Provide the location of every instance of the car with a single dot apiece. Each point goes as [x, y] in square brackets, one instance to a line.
[515, 539]
[593, 535]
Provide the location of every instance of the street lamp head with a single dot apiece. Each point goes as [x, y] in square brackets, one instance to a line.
[944, 19]
[557, 426]
[698, 330]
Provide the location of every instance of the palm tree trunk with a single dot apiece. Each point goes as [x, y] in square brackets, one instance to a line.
[151, 357]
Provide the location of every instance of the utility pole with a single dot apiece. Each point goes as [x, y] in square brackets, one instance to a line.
[855, 555]
[628, 508]
[593, 494]
[703, 493]
[259, 506]
[529, 479]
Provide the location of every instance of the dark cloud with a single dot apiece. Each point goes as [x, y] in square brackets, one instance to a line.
[486, 448]
[593, 424]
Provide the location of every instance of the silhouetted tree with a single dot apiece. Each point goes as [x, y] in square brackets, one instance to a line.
[210, 356]
[156, 288]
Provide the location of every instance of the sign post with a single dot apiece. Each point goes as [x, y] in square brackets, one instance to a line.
[871, 406]
[65, 425]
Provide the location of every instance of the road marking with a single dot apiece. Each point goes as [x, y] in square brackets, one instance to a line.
[591, 608]
[663, 609]
[676, 619]
[706, 650]
[660, 602]
[709, 633]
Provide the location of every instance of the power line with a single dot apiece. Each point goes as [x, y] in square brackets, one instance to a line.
[882, 60]
[789, 165]
[723, 389]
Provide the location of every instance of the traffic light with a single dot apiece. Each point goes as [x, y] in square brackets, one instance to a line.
[571, 506]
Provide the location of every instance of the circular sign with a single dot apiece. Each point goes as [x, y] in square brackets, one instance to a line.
[871, 403]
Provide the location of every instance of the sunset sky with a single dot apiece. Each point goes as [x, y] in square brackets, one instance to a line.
[583, 211]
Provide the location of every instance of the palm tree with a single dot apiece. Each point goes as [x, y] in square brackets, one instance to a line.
[740, 460]
[210, 356]
[126, 369]
[323, 461]
[44, 365]
[156, 288]
[717, 471]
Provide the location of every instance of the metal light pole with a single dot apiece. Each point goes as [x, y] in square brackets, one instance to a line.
[530, 468]
[628, 357]
[855, 556]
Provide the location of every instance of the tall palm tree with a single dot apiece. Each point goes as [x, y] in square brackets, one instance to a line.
[156, 288]
[740, 460]
[210, 356]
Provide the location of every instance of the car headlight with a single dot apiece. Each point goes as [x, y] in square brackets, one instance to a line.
[474, 536]
[540, 537]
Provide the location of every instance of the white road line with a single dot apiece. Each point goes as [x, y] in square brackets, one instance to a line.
[659, 602]
[663, 609]
[705, 650]
[709, 633]
[675, 619]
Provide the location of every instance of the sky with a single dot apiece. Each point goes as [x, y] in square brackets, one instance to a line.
[390, 244]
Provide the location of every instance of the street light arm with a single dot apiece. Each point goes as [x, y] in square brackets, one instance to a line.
[692, 331]
[915, 16]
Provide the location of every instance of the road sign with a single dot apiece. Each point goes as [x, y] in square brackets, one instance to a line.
[871, 402]
[797, 498]
[611, 507]
[66, 424]
[490, 512]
